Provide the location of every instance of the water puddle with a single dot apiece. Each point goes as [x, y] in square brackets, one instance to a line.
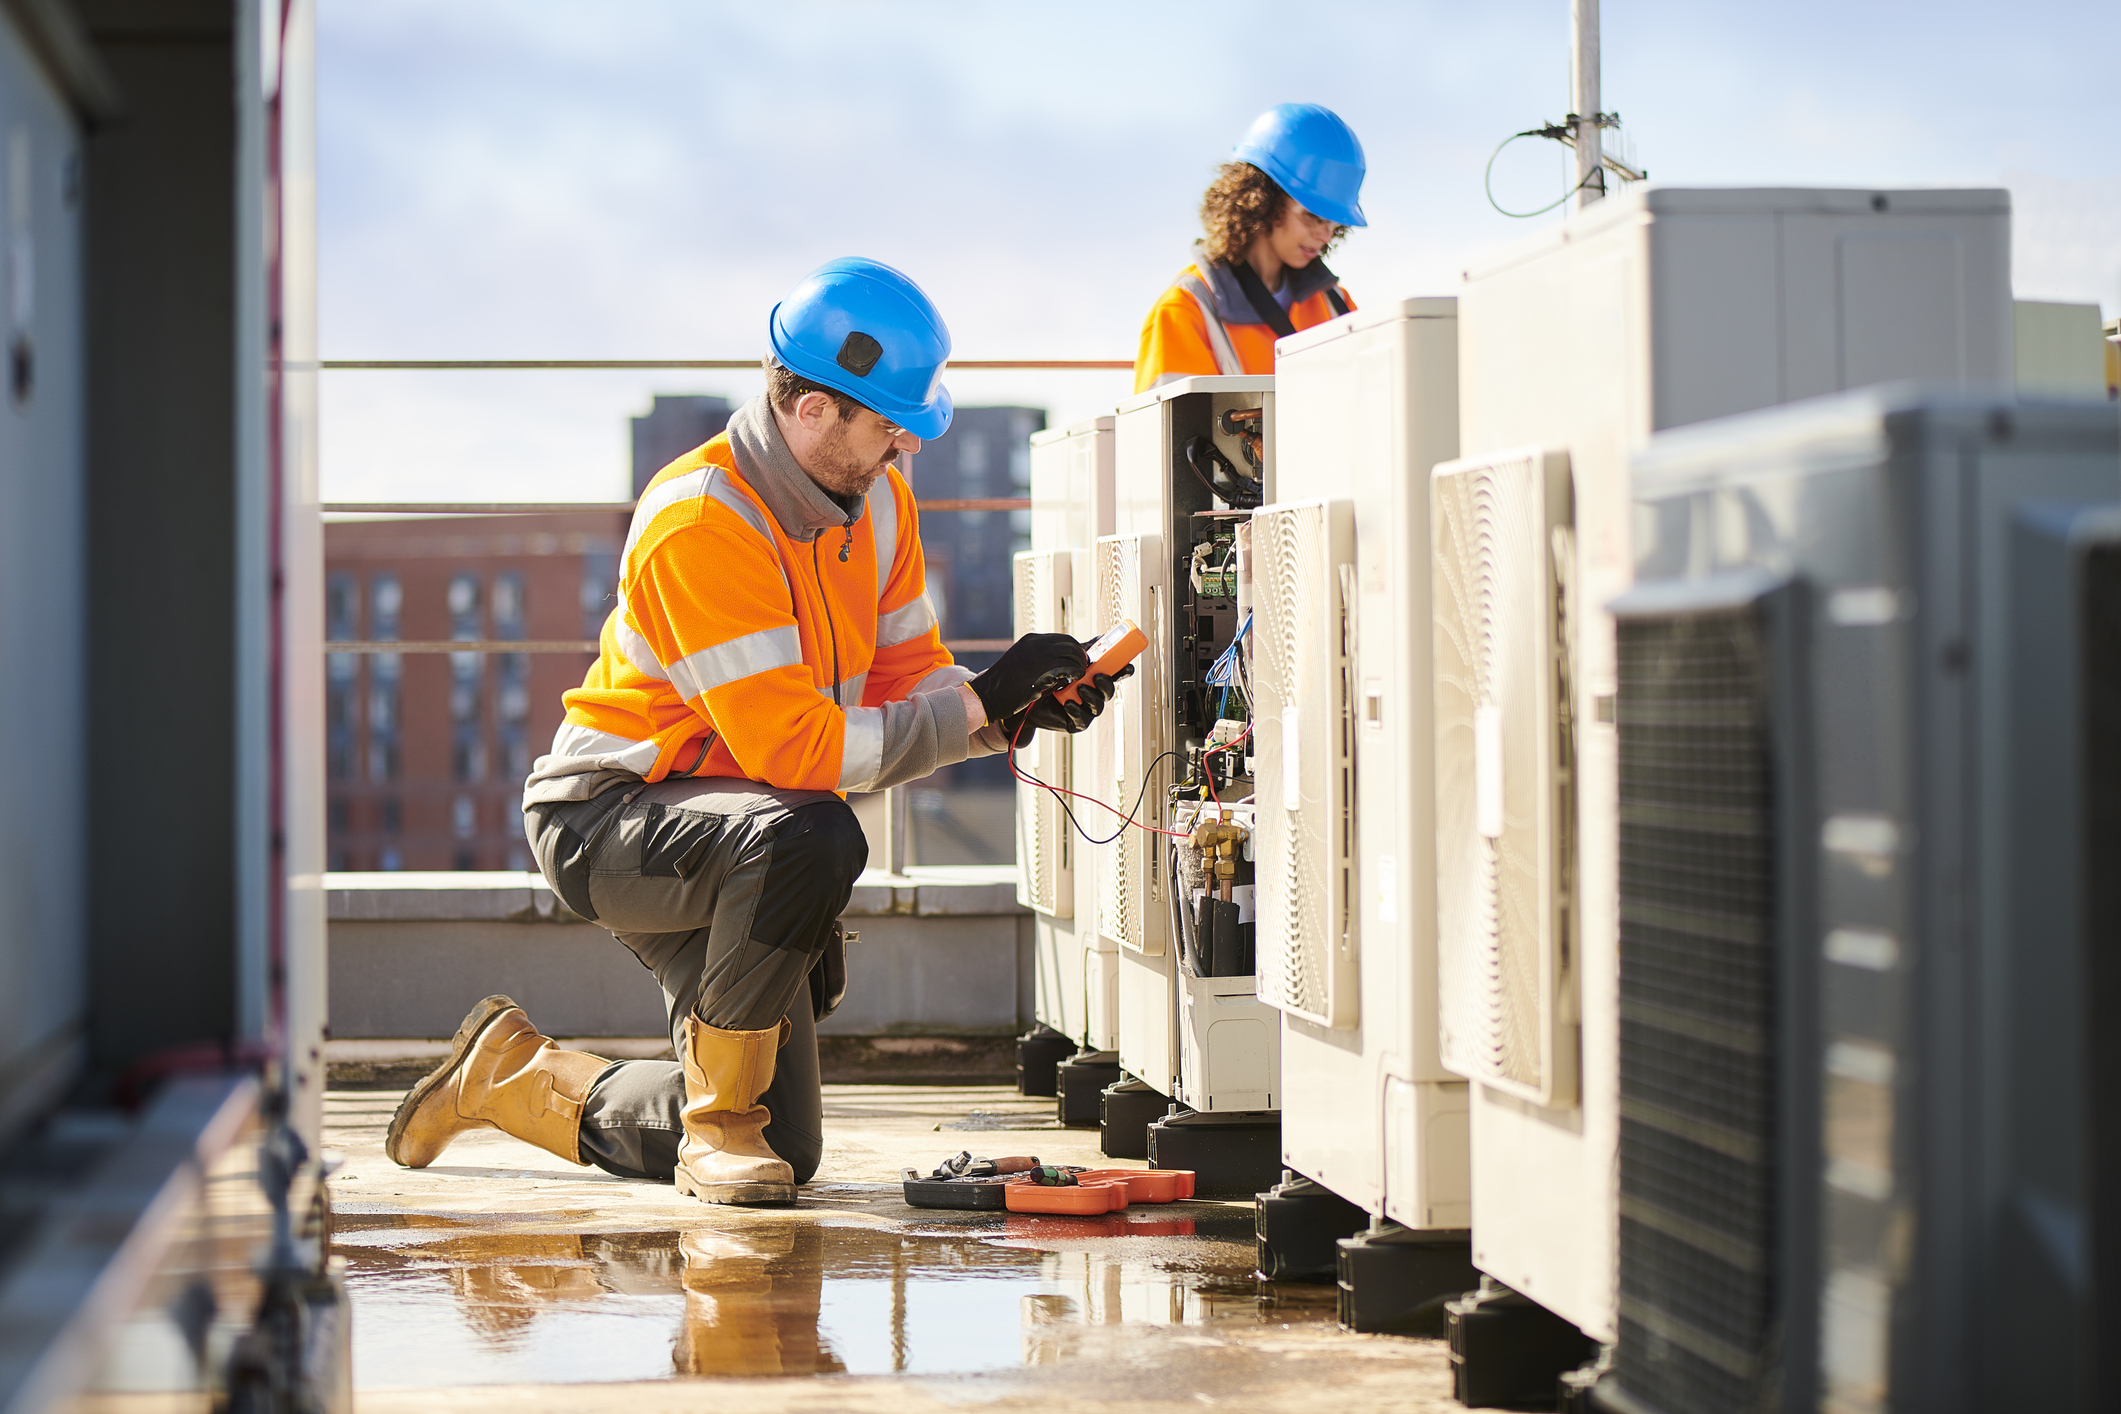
[791, 1296]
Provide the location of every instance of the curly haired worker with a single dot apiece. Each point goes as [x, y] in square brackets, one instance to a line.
[1289, 193]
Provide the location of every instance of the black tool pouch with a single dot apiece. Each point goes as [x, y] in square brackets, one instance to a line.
[828, 975]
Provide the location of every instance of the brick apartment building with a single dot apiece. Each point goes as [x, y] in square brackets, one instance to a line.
[427, 751]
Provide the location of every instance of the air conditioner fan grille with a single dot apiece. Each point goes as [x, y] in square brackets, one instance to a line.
[1697, 1018]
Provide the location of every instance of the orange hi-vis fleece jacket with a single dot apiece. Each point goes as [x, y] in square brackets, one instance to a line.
[769, 630]
[1202, 324]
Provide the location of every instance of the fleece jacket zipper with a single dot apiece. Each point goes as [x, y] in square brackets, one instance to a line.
[830, 631]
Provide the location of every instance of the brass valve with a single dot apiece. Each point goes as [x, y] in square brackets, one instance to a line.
[1218, 840]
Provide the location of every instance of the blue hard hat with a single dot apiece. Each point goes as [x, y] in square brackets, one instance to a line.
[863, 329]
[1313, 155]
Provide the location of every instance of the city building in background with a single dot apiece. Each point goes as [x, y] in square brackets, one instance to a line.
[673, 426]
[966, 814]
[426, 752]
[986, 454]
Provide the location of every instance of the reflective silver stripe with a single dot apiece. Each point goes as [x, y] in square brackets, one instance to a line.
[1226, 360]
[638, 652]
[906, 622]
[720, 489]
[947, 676]
[661, 498]
[883, 528]
[710, 481]
[604, 749]
[862, 750]
[759, 652]
[851, 689]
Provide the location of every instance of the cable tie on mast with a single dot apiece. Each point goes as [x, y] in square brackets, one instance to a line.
[1564, 132]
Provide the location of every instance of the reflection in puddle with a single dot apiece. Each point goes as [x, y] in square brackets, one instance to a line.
[1085, 1289]
[767, 1297]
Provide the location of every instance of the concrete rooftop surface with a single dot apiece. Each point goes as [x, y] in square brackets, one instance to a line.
[503, 1279]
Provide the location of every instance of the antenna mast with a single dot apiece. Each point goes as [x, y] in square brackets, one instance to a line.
[1581, 129]
[1583, 102]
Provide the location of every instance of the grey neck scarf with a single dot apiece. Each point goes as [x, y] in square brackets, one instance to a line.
[803, 508]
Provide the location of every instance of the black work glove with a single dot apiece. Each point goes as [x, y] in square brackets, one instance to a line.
[1050, 714]
[1033, 665]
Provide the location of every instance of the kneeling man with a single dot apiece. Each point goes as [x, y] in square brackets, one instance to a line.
[772, 649]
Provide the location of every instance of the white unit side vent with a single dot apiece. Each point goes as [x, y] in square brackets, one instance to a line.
[1302, 617]
[1045, 876]
[1131, 907]
[1505, 798]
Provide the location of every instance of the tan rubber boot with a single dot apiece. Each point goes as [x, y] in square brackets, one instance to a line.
[501, 1074]
[725, 1157]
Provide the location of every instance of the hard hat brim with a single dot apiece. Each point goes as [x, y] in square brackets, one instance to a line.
[926, 421]
[1305, 193]
[1339, 213]
[1313, 156]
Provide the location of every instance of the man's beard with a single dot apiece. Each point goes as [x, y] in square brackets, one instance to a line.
[843, 471]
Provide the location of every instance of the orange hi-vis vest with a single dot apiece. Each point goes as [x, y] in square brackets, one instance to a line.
[737, 650]
[1189, 332]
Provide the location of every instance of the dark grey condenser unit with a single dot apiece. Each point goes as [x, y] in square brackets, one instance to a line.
[1869, 713]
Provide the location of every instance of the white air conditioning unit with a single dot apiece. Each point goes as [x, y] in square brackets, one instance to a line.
[1365, 406]
[1045, 874]
[1132, 773]
[1657, 308]
[1303, 563]
[1163, 508]
[1503, 560]
[1076, 973]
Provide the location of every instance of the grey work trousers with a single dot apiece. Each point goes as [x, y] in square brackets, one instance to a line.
[728, 892]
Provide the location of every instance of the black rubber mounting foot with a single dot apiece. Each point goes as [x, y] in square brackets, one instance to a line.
[1508, 1352]
[1039, 1053]
[1395, 1282]
[1297, 1223]
[1129, 1108]
[1231, 1155]
[1080, 1082]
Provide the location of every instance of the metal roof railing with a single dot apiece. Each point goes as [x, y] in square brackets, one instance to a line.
[515, 508]
[586, 645]
[433, 365]
[532, 508]
[372, 646]
[898, 826]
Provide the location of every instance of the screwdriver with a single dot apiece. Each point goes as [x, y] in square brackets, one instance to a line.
[965, 1166]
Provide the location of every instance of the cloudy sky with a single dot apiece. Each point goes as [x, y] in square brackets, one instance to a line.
[643, 178]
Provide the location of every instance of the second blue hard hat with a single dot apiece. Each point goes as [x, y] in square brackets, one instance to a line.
[1313, 155]
[861, 328]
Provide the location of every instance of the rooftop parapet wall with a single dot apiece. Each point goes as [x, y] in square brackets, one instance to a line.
[944, 951]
